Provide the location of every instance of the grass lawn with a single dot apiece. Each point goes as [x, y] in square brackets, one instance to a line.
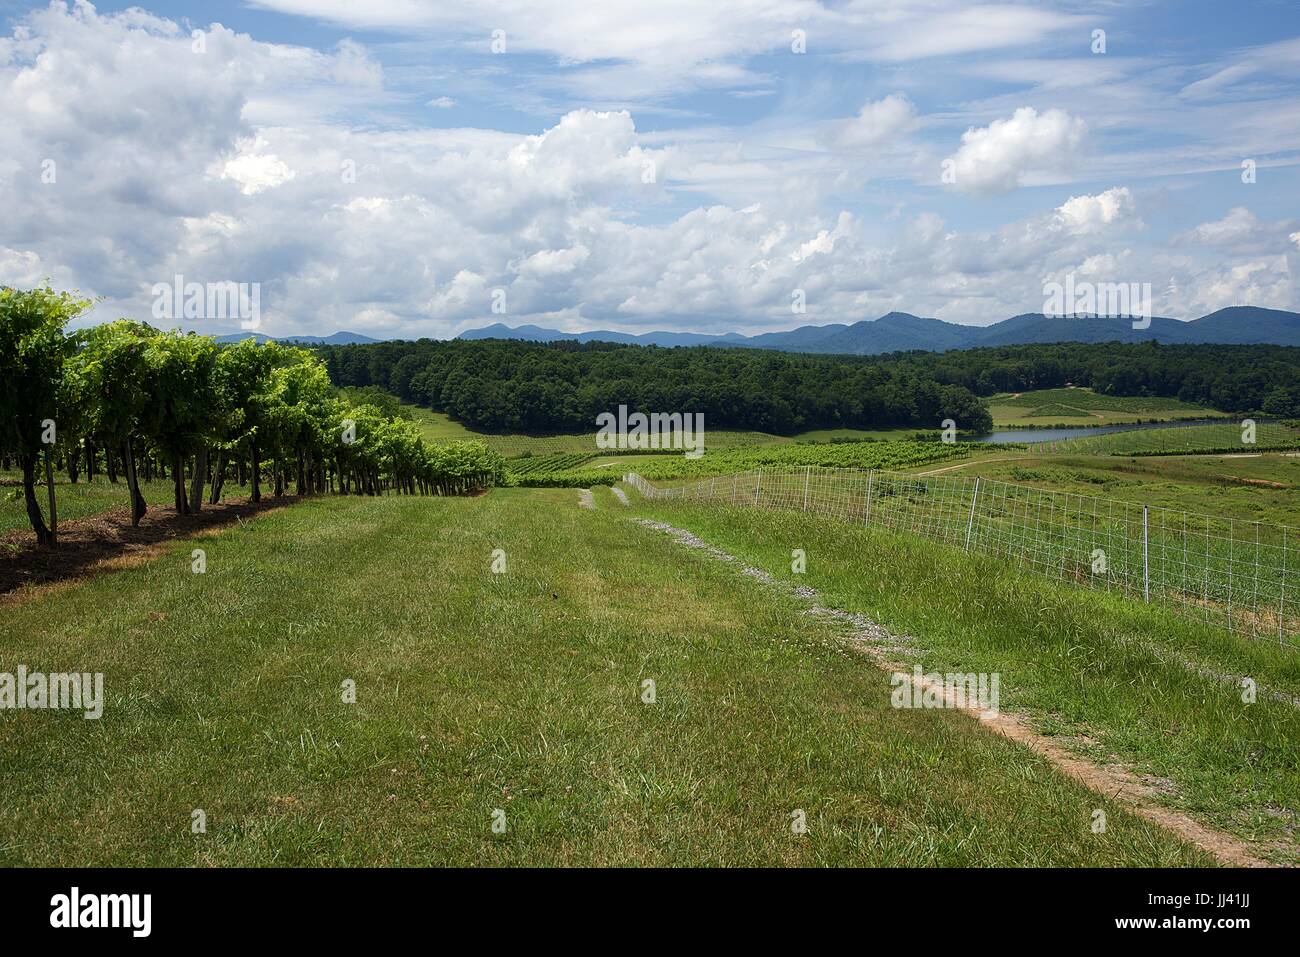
[1109, 677]
[522, 692]
[1079, 406]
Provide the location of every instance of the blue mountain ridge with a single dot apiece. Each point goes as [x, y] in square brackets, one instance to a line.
[901, 331]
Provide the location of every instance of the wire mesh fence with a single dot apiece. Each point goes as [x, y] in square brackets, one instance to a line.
[1222, 571]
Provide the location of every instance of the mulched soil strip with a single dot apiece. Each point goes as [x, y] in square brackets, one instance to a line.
[108, 537]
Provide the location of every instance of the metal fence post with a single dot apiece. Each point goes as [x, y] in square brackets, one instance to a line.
[1281, 601]
[866, 517]
[1012, 526]
[970, 522]
[1146, 565]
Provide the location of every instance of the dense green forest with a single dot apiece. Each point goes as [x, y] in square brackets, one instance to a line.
[1241, 379]
[539, 388]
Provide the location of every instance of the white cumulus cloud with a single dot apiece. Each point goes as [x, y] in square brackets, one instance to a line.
[1089, 214]
[291, 167]
[1000, 156]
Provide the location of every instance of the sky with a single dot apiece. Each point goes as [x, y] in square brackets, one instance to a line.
[401, 168]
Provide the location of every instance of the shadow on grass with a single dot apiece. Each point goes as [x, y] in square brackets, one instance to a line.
[107, 541]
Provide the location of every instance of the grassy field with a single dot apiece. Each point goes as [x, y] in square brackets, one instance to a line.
[522, 692]
[1186, 440]
[1260, 488]
[439, 427]
[1107, 677]
[1078, 406]
[1041, 408]
[571, 470]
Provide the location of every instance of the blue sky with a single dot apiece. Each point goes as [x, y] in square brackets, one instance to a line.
[641, 166]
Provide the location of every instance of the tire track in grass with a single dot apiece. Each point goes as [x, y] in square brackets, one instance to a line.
[1169, 656]
[969, 462]
[1112, 780]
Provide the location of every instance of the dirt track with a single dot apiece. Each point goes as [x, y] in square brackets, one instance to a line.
[1114, 781]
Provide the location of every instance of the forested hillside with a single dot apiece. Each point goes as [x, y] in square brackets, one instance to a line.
[562, 387]
[497, 385]
[1242, 379]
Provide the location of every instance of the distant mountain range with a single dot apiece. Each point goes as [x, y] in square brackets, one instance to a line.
[538, 334]
[899, 331]
[337, 339]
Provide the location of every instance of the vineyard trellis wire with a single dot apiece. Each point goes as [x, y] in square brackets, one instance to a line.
[1222, 571]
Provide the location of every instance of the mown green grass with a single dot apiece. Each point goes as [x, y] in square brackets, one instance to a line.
[1109, 676]
[478, 691]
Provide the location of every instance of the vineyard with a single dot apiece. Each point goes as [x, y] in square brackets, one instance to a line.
[567, 472]
[548, 464]
[1186, 440]
[1088, 400]
[124, 398]
[85, 497]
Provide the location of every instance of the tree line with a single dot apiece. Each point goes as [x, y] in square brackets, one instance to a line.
[134, 402]
[1232, 378]
[548, 388]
